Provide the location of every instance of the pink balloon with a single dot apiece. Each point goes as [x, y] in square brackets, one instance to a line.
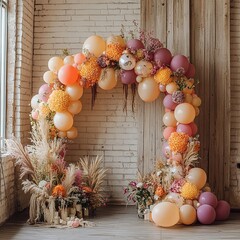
[44, 92]
[168, 102]
[208, 198]
[206, 214]
[222, 210]
[162, 57]
[179, 62]
[191, 71]
[135, 44]
[166, 150]
[184, 128]
[128, 76]
[162, 88]
[167, 132]
[194, 128]
[35, 114]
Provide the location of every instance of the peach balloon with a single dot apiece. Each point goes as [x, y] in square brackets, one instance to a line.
[68, 60]
[75, 91]
[68, 74]
[63, 121]
[188, 214]
[197, 111]
[35, 101]
[167, 132]
[116, 40]
[72, 133]
[188, 98]
[55, 63]
[148, 90]
[184, 113]
[95, 45]
[197, 176]
[49, 77]
[79, 58]
[171, 87]
[196, 101]
[165, 214]
[62, 134]
[75, 107]
[108, 79]
[169, 120]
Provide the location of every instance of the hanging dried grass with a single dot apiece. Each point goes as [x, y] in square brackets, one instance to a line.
[94, 95]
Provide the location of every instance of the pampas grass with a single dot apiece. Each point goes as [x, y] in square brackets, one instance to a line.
[69, 177]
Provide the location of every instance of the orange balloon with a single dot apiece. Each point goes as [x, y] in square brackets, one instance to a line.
[72, 133]
[68, 74]
[75, 91]
[75, 107]
[79, 58]
[148, 89]
[63, 121]
[188, 214]
[197, 176]
[169, 120]
[95, 45]
[184, 113]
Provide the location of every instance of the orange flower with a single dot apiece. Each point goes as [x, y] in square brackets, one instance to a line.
[59, 191]
[59, 101]
[189, 191]
[87, 189]
[163, 76]
[159, 191]
[114, 51]
[197, 146]
[178, 142]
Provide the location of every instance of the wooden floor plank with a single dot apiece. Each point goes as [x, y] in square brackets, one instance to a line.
[119, 222]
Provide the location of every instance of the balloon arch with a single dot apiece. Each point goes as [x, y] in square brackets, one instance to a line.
[143, 63]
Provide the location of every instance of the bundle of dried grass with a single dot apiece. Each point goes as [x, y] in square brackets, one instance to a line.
[69, 177]
[190, 157]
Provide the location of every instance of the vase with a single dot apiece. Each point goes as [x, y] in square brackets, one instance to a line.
[72, 212]
[64, 214]
[79, 210]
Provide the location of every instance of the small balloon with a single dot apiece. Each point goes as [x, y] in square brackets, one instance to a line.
[49, 77]
[135, 44]
[168, 102]
[44, 92]
[128, 77]
[169, 120]
[188, 98]
[196, 101]
[197, 176]
[75, 91]
[143, 68]
[185, 128]
[79, 58]
[55, 63]
[188, 214]
[162, 88]
[68, 60]
[72, 133]
[171, 87]
[127, 61]
[62, 134]
[63, 121]
[108, 79]
[68, 74]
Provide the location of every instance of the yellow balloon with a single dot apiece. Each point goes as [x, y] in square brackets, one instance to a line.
[184, 113]
[165, 214]
[108, 79]
[68, 60]
[63, 121]
[35, 101]
[95, 45]
[72, 133]
[55, 63]
[49, 77]
[188, 214]
[75, 91]
[148, 89]
[171, 87]
[197, 176]
[75, 107]
[169, 120]
[196, 102]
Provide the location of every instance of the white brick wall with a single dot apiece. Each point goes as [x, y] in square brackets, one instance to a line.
[106, 130]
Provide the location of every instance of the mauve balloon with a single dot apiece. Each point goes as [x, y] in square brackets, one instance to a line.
[135, 44]
[191, 71]
[44, 92]
[184, 128]
[168, 102]
[128, 77]
[222, 210]
[179, 62]
[194, 128]
[206, 214]
[162, 57]
[208, 198]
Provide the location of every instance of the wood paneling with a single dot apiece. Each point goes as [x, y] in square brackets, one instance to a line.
[200, 30]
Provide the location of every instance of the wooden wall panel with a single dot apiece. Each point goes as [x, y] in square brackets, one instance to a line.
[200, 30]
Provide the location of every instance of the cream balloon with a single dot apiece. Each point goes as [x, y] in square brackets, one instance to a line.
[75, 107]
[171, 87]
[184, 113]
[55, 63]
[143, 68]
[72, 133]
[49, 77]
[188, 214]
[169, 120]
[165, 214]
[75, 91]
[35, 101]
[127, 61]
[63, 121]
[62, 134]
[108, 79]
[68, 60]
[116, 40]
[95, 45]
[148, 89]
[196, 101]
[197, 176]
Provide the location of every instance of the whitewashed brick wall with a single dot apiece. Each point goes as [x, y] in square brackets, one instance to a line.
[106, 130]
[235, 101]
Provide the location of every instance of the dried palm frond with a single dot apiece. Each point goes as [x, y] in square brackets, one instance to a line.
[190, 157]
[69, 177]
[15, 149]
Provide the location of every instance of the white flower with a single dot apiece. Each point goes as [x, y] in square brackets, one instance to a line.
[159, 173]
[139, 185]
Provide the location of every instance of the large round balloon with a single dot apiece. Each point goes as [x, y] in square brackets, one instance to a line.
[184, 113]
[95, 45]
[162, 57]
[222, 210]
[75, 91]
[148, 89]
[108, 79]
[75, 107]
[68, 74]
[63, 121]
[188, 214]
[185, 128]
[197, 176]
[165, 214]
[208, 198]
[179, 62]
[127, 61]
[128, 77]
[55, 63]
[206, 214]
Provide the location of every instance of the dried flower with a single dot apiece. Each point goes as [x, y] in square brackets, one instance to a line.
[59, 101]
[177, 185]
[189, 191]
[178, 97]
[159, 191]
[178, 142]
[163, 76]
[114, 51]
[59, 191]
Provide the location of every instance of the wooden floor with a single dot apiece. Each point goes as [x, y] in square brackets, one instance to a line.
[119, 222]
